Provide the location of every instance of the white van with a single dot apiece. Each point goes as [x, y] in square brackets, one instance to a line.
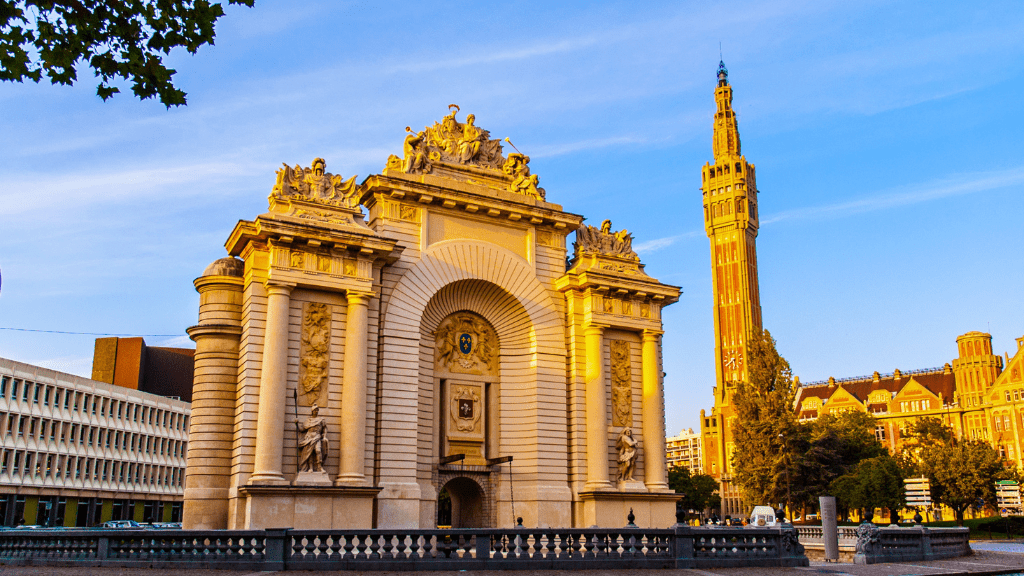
[762, 516]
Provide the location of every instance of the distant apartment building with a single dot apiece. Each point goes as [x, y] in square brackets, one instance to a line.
[684, 450]
[78, 452]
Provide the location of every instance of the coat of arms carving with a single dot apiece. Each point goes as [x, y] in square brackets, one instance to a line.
[465, 409]
[466, 343]
[317, 185]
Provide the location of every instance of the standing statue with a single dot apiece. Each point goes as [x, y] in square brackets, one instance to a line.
[627, 454]
[313, 442]
[469, 147]
[415, 160]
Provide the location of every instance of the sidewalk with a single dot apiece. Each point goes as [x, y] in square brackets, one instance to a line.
[989, 558]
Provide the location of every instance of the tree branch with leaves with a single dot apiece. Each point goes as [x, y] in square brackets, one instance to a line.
[117, 39]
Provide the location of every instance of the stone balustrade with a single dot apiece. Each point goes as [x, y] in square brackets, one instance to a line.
[871, 544]
[468, 549]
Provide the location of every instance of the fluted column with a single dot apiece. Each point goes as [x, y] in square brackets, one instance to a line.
[655, 474]
[273, 389]
[212, 422]
[353, 392]
[597, 411]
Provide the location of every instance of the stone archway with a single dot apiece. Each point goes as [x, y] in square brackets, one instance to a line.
[465, 505]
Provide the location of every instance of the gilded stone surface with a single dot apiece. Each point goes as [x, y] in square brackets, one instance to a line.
[314, 363]
[622, 384]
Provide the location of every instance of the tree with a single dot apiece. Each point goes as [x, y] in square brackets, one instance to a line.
[698, 489]
[766, 429]
[835, 445]
[962, 474]
[124, 39]
[876, 483]
[922, 433]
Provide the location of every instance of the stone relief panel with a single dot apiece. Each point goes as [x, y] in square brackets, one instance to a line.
[314, 359]
[465, 410]
[622, 383]
[466, 344]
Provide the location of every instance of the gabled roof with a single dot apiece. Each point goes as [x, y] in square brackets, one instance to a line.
[937, 381]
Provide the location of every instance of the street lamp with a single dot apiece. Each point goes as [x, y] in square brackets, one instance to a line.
[785, 456]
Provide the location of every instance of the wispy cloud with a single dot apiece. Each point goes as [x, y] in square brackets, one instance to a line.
[956, 185]
[660, 243]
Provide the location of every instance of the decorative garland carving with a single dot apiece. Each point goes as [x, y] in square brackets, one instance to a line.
[622, 384]
[314, 361]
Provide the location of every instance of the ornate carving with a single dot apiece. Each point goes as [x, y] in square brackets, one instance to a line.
[313, 366]
[317, 185]
[466, 343]
[622, 384]
[312, 442]
[626, 446]
[867, 537]
[609, 305]
[627, 308]
[517, 166]
[323, 262]
[465, 409]
[604, 241]
[791, 542]
[645, 310]
[296, 259]
[448, 141]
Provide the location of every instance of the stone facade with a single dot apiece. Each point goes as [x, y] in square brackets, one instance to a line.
[452, 353]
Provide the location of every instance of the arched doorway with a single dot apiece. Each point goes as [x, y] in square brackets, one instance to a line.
[460, 504]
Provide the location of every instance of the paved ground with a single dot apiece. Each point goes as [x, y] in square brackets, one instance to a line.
[989, 558]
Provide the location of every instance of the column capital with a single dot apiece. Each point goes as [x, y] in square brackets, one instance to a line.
[358, 296]
[594, 328]
[651, 334]
[279, 288]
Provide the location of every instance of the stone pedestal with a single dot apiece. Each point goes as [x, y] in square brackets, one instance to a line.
[610, 509]
[308, 507]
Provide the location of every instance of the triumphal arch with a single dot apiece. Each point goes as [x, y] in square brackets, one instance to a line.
[417, 350]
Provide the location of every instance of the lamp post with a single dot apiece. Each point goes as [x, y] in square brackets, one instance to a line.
[785, 456]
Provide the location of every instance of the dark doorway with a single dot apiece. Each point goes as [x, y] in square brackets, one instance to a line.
[464, 505]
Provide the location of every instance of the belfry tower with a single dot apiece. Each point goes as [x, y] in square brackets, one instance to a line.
[730, 219]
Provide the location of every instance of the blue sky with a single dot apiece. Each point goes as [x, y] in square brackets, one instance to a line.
[887, 138]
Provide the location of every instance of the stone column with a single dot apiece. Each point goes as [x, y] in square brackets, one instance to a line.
[273, 389]
[655, 474]
[597, 411]
[212, 423]
[353, 392]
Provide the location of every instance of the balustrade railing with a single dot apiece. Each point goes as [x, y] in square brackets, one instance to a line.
[872, 544]
[463, 549]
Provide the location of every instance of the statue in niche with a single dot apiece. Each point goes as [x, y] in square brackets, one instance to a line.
[622, 384]
[312, 442]
[314, 360]
[316, 184]
[604, 241]
[626, 446]
[517, 166]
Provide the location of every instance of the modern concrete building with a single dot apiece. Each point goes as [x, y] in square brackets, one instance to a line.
[684, 449]
[77, 452]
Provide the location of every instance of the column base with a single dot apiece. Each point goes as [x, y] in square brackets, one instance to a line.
[261, 479]
[611, 509]
[356, 480]
[308, 507]
[597, 486]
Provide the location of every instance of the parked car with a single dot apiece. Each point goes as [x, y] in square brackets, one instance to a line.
[120, 524]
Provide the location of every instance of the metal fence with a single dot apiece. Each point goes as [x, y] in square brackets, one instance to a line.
[466, 549]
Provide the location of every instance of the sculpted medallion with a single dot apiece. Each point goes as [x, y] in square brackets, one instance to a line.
[622, 384]
[313, 362]
[465, 408]
[467, 344]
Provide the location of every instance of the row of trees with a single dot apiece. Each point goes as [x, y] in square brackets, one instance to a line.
[778, 458]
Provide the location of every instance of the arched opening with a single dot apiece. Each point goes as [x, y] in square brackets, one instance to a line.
[460, 504]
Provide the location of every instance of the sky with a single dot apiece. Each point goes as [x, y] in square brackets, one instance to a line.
[887, 140]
